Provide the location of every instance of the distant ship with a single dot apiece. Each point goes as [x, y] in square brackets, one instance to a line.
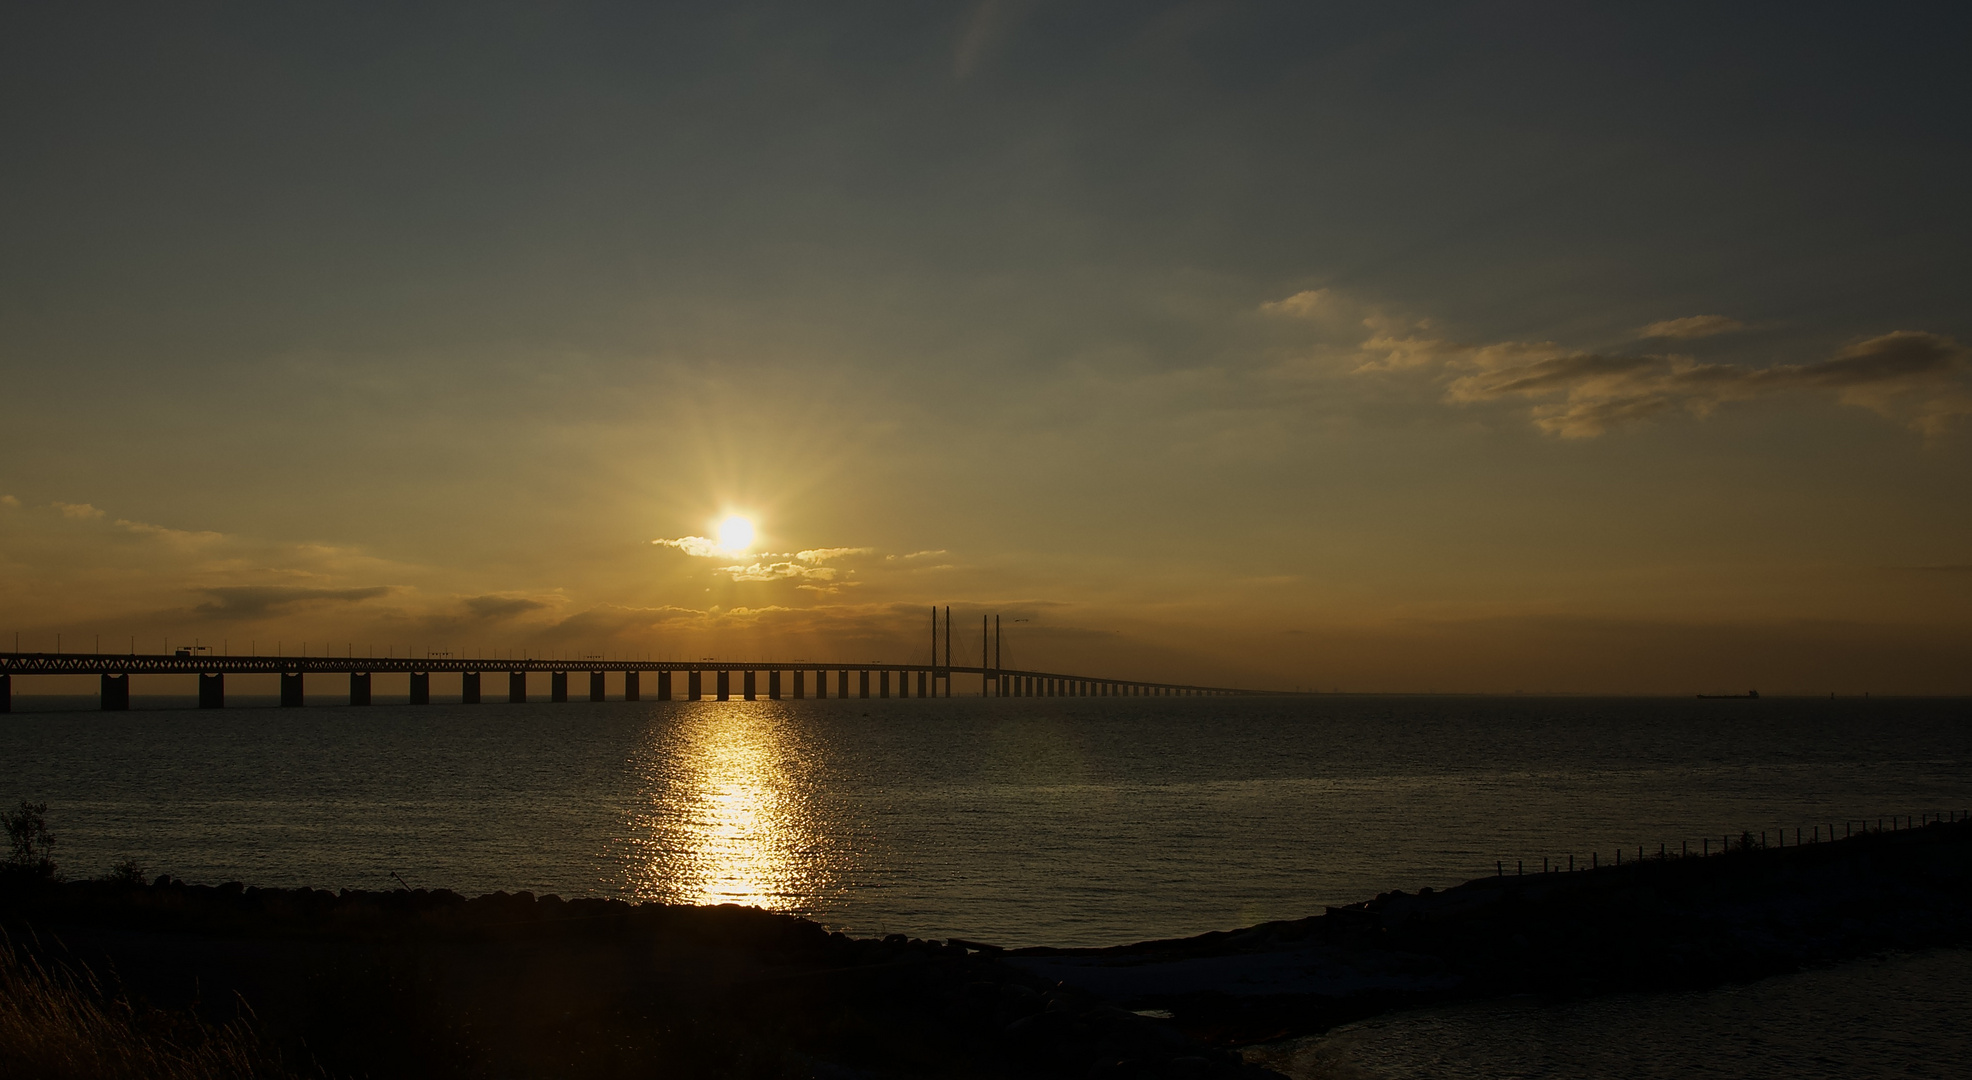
[1736, 697]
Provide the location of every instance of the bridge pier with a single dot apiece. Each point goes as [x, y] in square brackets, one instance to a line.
[421, 688]
[291, 690]
[842, 684]
[725, 685]
[516, 687]
[924, 681]
[863, 683]
[212, 691]
[597, 692]
[6, 693]
[630, 687]
[821, 683]
[359, 688]
[800, 684]
[116, 693]
[694, 685]
[883, 684]
[558, 686]
[469, 688]
[746, 684]
[774, 685]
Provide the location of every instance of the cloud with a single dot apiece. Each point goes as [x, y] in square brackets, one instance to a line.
[10, 502]
[177, 537]
[1910, 377]
[500, 607]
[1691, 326]
[768, 565]
[801, 564]
[1393, 344]
[256, 601]
[821, 555]
[1309, 304]
[696, 546]
[78, 511]
[1385, 352]
[777, 571]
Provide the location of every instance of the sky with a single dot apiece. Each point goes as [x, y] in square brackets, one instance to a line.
[1387, 347]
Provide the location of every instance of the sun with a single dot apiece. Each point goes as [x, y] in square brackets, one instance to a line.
[736, 534]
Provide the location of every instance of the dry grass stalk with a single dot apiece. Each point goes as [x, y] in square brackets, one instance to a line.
[56, 1024]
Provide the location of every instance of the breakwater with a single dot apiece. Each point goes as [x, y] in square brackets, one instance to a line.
[1651, 924]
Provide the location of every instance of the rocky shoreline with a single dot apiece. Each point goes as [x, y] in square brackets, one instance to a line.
[417, 983]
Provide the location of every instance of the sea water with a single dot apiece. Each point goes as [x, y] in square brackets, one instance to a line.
[1057, 821]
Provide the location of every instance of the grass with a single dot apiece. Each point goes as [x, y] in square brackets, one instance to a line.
[57, 1023]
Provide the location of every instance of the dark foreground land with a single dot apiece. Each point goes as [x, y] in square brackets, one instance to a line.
[432, 984]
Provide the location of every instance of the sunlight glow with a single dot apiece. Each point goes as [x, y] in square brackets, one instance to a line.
[736, 534]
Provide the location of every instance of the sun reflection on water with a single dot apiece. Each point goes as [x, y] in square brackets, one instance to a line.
[727, 816]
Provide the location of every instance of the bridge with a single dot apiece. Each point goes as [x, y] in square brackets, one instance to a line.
[933, 677]
[673, 679]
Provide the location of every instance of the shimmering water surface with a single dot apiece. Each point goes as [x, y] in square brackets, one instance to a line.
[1027, 821]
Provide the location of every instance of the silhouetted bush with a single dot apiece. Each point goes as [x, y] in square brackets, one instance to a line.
[128, 873]
[29, 841]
